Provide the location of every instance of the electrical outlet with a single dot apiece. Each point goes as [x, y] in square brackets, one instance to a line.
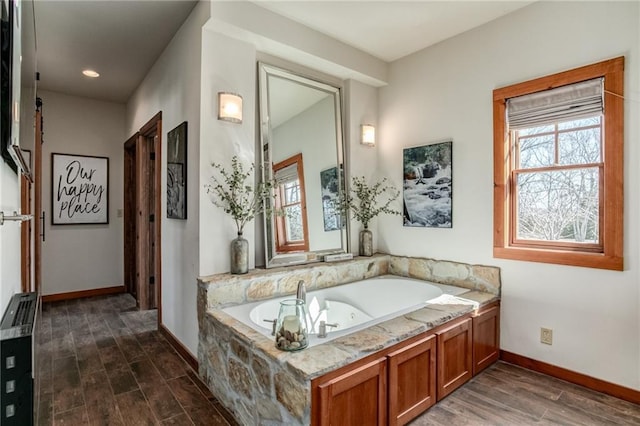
[546, 336]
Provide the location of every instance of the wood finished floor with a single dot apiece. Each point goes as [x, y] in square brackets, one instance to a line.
[102, 362]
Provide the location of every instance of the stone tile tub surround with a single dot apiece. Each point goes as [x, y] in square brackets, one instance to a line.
[262, 385]
[223, 290]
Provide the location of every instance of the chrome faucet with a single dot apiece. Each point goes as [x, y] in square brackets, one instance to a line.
[322, 332]
[301, 293]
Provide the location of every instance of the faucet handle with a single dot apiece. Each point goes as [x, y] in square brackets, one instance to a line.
[273, 325]
[322, 333]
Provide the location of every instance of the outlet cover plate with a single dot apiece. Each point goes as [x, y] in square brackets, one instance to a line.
[546, 336]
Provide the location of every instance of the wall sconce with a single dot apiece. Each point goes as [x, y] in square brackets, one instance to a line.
[368, 135]
[229, 107]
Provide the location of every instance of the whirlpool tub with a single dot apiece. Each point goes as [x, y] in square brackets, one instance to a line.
[351, 307]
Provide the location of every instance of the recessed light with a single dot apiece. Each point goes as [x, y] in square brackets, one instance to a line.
[91, 73]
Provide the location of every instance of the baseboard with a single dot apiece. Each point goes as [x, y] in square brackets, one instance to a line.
[179, 347]
[592, 383]
[83, 293]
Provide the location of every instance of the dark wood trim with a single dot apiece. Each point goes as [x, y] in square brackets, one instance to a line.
[179, 347]
[38, 214]
[83, 293]
[152, 131]
[149, 128]
[592, 383]
[25, 234]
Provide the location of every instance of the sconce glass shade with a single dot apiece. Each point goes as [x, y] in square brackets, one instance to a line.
[229, 107]
[368, 135]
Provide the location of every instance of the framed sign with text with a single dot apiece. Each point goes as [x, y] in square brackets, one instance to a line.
[79, 189]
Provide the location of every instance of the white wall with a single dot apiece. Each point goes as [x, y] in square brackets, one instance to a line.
[446, 91]
[9, 236]
[361, 108]
[82, 257]
[173, 87]
[308, 134]
[228, 65]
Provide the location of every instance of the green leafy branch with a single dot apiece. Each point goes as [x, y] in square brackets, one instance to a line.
[238, 199]
[363, 200]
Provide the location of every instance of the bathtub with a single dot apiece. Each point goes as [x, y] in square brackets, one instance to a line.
[350, 307]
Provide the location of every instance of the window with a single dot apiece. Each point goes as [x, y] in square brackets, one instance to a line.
[558, 168]
[291, 220]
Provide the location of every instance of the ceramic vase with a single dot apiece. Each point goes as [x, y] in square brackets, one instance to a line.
[239, 255]
[291, 326]
[366, 242]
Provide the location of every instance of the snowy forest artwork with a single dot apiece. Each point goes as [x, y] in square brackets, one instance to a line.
[427, 185]
[333, 220]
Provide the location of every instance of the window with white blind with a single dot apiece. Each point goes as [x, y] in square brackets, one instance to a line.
[558, 149]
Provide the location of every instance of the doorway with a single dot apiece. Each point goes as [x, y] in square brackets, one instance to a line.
[142, 251]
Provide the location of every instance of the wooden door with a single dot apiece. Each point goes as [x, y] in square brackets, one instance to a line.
[129, 216]
[455, 364]
[357, 397]
[39, 218]
[25, 231]
[486, 339]
[412, 380]
[142, 215]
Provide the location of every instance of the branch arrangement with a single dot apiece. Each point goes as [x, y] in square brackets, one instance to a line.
[231, 193]
[363, 200]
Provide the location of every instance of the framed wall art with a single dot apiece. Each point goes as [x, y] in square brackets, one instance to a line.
[177, 172]
[79, 189]
[427, 185]
[330, 187]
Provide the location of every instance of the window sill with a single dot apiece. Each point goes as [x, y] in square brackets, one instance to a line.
[560, 257]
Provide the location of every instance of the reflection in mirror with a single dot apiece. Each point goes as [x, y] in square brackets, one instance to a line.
[302, 149]
[291, 225]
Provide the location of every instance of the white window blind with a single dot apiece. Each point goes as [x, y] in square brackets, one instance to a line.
[560, 104]
[287, 174]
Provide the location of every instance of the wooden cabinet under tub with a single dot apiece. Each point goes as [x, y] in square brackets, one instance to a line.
[397, 384]
[486, 338]
[412, 380]
[358, 396]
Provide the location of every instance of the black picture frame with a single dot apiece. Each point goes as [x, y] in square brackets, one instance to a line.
[428, 185]
[177, 172]
[79, 189]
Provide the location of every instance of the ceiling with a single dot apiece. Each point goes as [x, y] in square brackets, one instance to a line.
[123, 39]
[390, 30]
[119, 39]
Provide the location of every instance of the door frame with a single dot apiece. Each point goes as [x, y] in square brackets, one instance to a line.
[147, 139]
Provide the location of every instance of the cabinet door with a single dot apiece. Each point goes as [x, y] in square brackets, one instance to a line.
[412, 380]
[486, 339]
[357, 397]
[454, 357]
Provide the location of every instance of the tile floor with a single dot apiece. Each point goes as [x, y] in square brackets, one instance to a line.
[102, 362]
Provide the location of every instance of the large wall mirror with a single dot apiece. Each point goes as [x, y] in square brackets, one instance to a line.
[303, 151]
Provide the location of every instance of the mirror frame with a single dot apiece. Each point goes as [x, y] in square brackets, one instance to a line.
[273, 259]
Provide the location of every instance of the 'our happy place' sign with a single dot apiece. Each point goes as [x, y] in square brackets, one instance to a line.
[80, 192]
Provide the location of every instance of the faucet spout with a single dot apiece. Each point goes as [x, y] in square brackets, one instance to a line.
[301, 293]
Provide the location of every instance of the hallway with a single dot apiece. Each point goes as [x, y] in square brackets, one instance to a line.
[102, 362]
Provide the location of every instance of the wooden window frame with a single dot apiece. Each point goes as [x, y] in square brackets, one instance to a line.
[282, 245]
[610, 256]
